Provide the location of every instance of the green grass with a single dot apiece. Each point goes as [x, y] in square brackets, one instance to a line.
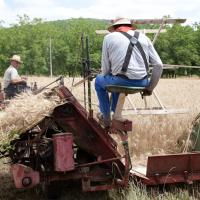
[139, 192]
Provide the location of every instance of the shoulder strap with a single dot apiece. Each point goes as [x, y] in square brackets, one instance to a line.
[129, 51]
[133, 42]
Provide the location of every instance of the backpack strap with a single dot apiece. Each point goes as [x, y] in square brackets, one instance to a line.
[133, 42]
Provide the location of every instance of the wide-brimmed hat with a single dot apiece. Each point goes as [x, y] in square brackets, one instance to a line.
[16, 58]
[120, 21]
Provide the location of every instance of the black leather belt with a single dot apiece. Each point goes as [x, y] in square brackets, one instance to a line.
[125, 77]
[122, 76]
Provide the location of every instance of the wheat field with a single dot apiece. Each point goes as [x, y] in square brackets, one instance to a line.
[156, 134]
[152, 134]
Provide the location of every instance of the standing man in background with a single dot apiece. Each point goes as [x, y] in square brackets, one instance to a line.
[13, 83]
[124, 64]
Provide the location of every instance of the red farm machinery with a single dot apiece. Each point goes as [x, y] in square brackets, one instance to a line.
[70, 144]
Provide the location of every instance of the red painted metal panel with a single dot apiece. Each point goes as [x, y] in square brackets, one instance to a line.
[169, 179]
[24, 176]
[195, 162]
[63, 152]
[122, 125]
[172, 168]
[87, 132]
[173, 164]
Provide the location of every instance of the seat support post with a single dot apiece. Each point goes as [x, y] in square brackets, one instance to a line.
[120, 103]
[118, 122]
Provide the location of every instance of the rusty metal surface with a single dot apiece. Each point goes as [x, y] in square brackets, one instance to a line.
[87, 132]
[100, 162]
[92, 180]
[172, 168]
[87, 154]
[173, 163]
[125, 125]
[24, 176]
[94, 174]
[63, 152]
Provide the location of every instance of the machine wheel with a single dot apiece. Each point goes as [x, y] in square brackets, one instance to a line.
[52, 190]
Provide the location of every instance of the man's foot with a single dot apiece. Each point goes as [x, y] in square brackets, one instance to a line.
[105, 122]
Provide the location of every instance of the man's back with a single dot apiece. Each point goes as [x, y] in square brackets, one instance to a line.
[114, 51]
[125, 64]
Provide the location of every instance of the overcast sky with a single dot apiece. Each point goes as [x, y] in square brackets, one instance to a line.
[102, 9]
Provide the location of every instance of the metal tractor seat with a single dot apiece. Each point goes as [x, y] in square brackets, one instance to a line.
[118, 122]
[158, 109]
[124, 89]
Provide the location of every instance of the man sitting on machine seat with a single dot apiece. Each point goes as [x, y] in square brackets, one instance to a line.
[126, 55]
[13, 83]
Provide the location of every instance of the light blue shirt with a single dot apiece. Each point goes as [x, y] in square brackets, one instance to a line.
[9, 75]
[114, 50]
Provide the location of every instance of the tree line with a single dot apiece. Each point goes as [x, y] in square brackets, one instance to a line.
[180, 45]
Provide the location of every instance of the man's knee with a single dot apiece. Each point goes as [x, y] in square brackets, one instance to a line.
[99, 81]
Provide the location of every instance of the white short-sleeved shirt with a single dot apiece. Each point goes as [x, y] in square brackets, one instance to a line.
[114, 50]
[9, 75]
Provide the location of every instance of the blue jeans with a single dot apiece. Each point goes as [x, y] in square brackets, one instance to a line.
[100, 86]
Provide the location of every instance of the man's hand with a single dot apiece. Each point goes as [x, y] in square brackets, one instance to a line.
[24, 78]
[147, 92]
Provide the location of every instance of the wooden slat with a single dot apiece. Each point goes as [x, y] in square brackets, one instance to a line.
[151, 30]
[104, 32]
[157, 21]
[154, 21]
[153, 111]
[101, 32]
[120, 103]
[167, 66]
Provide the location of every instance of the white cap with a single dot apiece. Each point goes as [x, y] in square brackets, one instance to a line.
[119, 21]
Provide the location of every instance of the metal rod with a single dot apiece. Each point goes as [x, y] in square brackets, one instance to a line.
[42, 88]
[50, 57]
[100, 162]
[159, 30]
[157, 98]
[88, 73]
[130, 101]
[84, 68]
[145, 102]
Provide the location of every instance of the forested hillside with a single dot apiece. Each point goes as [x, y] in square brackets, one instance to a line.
[31, 40]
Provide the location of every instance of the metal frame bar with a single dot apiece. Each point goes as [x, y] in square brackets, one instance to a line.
[158, 32]
[161, 110]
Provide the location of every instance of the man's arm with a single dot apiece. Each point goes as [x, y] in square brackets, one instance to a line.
[15, 78]
[16, 81]
[105, 63]
[156, 62]
[156, 74]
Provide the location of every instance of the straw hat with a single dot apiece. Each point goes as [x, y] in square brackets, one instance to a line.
[119, 21]
[16, 58]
